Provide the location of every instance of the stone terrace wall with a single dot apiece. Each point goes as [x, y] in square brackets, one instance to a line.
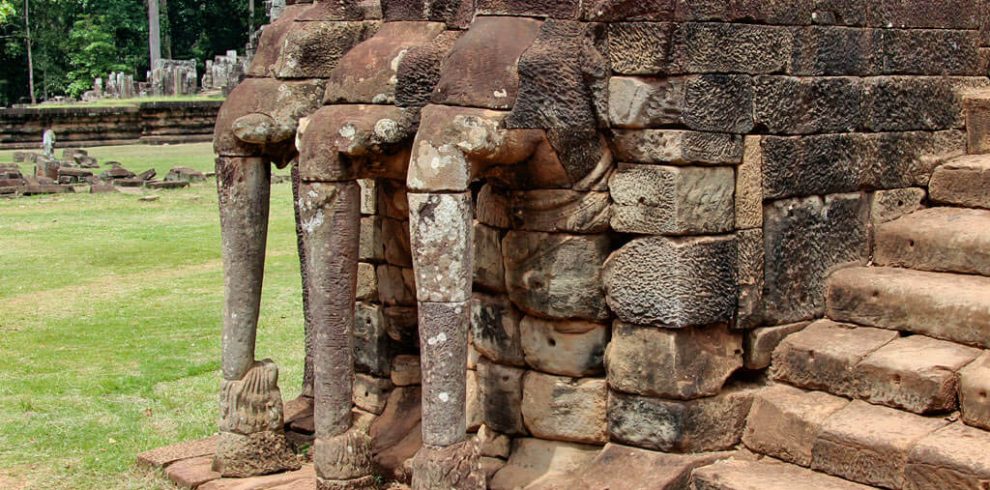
[148, 122]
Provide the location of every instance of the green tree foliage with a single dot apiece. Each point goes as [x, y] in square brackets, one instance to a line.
[75, 41]
[7, 11]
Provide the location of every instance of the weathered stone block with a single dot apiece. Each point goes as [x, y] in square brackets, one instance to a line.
[910, 103]
[750, 264]
[730, 48]
[555, 275]
[495, 329]
[371, 346]
[830, 51]
[400, 323]
[492, 443]
[870, 444]
[680, 364]
[396, 285]
[500, 396]
[954, 456]
[489, 273]
[677, 147]
[749, 185]
[395, 242]
[480, 70]
[950, 14]
[492, 207]
[441, 234]
[405, 370]
[974, 387]
[759, 343]
[371, 393]
[556, 9]
[367, 282]
[371, 247]
[888, 205]
[765, 474]
[823, 355]
[962, 182]
[673, 282]
[796, 12]
[312, 49]
[804, 239]
[785, 421]
[620, 10]
[534, 459]
[916, 373]
[569, 348]
[639, 48]
[565, 409]
[662, 200]
[790, 105]
[929, 52]
[554, 210]
[706, 424]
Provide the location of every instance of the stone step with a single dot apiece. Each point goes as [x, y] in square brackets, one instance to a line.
[962, 182]
[953, 307]
[917, 373]
[937, 239]
[766, 474]
[866, 443]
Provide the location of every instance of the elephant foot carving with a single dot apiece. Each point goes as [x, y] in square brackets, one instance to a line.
[455, 466]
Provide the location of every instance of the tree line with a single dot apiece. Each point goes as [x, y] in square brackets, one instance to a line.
[76, 41]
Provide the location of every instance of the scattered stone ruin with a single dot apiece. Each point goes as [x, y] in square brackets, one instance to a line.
[224, 72]
[606, 244]
[173, 77]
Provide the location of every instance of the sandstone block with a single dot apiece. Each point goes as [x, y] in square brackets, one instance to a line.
[953, 14]
[892, 204]
[489, 273]
[400, 418]
[916, 373]
[473, 406]
[790, 105]
[259, 453]
[391, 201]
[556, 275]
[371, 342]
[313, 49]
[659, 281]
[556, 9]
[954, 456]
[911, 103]
[367, 282]
[766, 474]
[704, 103]
[944, 306]
[395, 242]
[367, 73]
[500, 396]
[396, 285]
[495, 329]
[760, 343]
[749, 185]
[870, 444]
[270, 42]
[677, 147]
[680, 364]
[192, 472]
[661, 200]
[977, 114]
[639, 48]
[930, 52]
[560, 210]
[371, 393]
[804, 239]
[706, 424]
[369, 196]
[823, 355]
[371, 246]
[962, 182]
[565, 409]
[938, 239]
[400, 324]
[974, 386]
[492, 207]
[830, 50]
[493, 444]
[405, 370]
[166, 455]
[617, 10]
[750, 264]
[533, 459]
[618, 466]
[785, 421]
[441, 236]
[730, 48]
[569, 348]
[480, 70]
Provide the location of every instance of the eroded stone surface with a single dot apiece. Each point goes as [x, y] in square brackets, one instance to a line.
[785, 421]
[569, 348]
[660, 200]
[533, 459]
[974, 392]
[565, 409]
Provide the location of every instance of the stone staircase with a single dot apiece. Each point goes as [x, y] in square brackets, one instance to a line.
[891, 389]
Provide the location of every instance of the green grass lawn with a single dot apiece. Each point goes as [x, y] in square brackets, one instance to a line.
[132, 101]
[110, 313]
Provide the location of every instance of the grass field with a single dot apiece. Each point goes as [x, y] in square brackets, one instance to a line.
[133, 101]
[110, 313]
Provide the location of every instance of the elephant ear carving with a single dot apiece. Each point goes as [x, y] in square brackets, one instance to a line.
[563, 78]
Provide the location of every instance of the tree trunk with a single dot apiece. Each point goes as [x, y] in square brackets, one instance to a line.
[27, 37]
